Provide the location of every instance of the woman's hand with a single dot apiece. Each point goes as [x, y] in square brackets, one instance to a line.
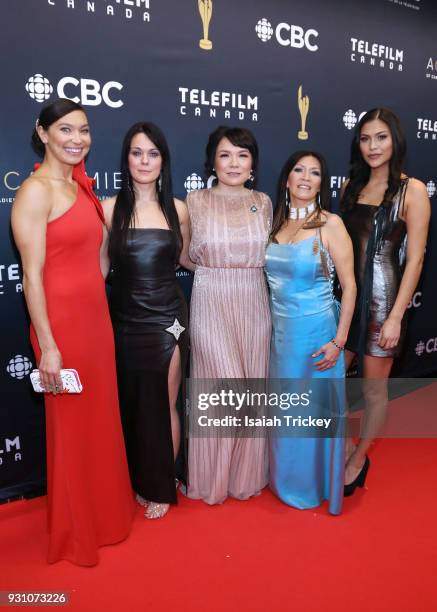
[50, 371]
[330, 355]
[389, 334]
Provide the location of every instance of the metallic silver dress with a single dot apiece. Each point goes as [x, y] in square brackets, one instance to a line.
[379, 236]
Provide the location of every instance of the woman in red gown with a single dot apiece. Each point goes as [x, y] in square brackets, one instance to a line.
[57, 225]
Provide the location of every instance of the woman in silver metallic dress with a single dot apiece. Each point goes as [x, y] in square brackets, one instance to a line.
[381, 206]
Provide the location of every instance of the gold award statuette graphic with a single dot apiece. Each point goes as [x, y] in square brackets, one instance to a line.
[303, 103]
[205, 10]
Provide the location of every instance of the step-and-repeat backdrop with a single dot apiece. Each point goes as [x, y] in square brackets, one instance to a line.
[299, 73]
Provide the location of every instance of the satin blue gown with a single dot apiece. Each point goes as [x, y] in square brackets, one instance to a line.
[304, 471]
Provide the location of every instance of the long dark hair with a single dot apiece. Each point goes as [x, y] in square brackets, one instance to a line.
[48, 115]
[359, 172]
[124, 209]
[324, 201]
[239, 137]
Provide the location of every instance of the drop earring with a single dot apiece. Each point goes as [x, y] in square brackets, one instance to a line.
[212, 177]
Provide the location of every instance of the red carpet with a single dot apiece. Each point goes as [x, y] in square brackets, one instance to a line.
[380, 554]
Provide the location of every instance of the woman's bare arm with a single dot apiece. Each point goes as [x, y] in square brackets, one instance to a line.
[30, 214]
[184, 221]
[339, 245]
[417, 215]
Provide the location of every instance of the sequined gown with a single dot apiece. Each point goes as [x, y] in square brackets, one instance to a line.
[385, 272]
[230, 331]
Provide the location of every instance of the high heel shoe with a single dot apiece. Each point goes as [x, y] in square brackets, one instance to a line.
[359, 481]
[141, 500]
[156, 510]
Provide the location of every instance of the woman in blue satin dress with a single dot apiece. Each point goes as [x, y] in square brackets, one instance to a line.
[308, 339]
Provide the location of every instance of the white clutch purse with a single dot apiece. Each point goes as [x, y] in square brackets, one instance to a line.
[70, 382]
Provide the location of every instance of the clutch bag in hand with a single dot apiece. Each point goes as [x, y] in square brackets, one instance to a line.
[70, 382]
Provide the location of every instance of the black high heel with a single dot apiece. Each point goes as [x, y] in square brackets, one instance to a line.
[359, 481]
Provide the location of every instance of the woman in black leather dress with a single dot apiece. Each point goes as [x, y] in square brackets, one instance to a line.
[149, 234]
[381, 206]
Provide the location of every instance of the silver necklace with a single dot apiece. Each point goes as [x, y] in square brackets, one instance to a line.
[301, 212]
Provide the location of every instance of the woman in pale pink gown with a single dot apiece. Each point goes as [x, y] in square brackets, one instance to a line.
[230, 316]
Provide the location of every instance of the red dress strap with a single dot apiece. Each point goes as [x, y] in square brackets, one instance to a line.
[87, 183]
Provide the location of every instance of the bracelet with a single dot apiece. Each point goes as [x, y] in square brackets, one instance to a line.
[340, 348]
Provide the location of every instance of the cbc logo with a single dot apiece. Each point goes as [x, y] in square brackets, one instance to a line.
[39, 88]
[19, 367]
[287, 35]
[193, 182]
[264, 29]
[431, 187]
[91, 92]
[429, 347]
[350, 119]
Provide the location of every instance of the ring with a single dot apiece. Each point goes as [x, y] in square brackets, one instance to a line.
[57, 387]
